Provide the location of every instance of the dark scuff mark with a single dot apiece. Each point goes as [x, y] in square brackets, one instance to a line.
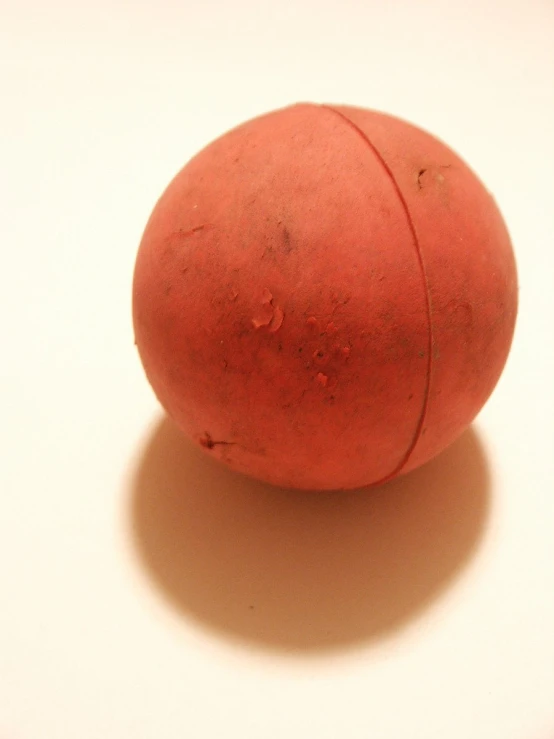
[208, 443]
[287, 246]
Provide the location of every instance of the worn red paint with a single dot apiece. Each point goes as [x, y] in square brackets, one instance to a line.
[346, 241]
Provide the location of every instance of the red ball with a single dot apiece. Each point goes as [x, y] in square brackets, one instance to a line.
[324, 297]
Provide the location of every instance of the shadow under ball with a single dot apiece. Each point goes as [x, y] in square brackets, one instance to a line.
[324, 297]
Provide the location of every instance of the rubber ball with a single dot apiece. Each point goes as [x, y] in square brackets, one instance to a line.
[324, 297]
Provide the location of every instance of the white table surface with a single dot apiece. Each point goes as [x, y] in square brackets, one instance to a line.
[145, 592]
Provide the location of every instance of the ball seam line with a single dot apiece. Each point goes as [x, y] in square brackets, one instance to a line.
[427, 386]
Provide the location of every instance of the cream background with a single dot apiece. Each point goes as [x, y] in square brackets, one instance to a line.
[128, 564]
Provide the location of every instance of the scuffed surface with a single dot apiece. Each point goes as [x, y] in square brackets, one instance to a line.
[300, 327]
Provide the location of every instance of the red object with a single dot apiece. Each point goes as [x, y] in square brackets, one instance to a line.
[324, 297]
